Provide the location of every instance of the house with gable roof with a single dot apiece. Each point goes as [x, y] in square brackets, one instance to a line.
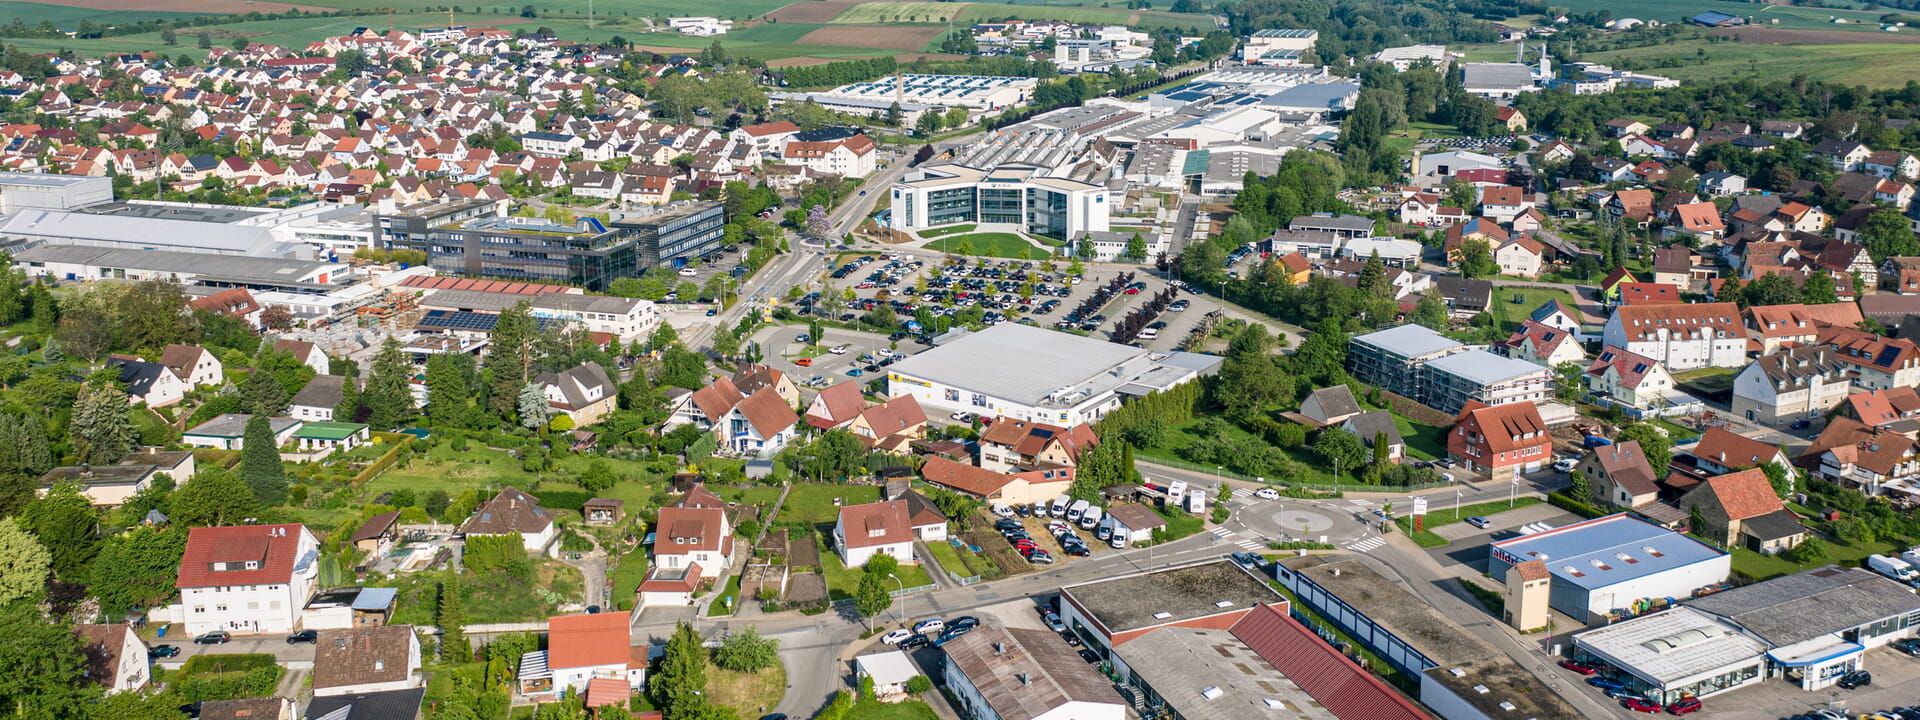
[247, 579]
[513, 512]
[1875, 460]
[877, 528]
[1010, 444]
[1620, 475]
[1797, 324]
[583, 393]
[583, 652]
[1898, 408]
[1559, 317]
[115, 657]
[890, 425]
[1682, 337]
[1500, 441]
[194, 365]
[693, 534]
[1542, 345]
[1020, 488]
[150, 383]
[835, 406]
[1700, 220]
[1741, 509]
[1791, 383]
[1877, 363]
[366, 659]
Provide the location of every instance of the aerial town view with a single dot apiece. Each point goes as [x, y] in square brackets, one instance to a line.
[929, 360]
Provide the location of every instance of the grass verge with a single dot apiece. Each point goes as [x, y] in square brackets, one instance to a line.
[1427, 539]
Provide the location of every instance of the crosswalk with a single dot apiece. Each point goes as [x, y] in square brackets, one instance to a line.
[1248, 544]
[1366, 544]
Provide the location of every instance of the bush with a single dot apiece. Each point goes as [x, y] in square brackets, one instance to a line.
[1576, 507]
[919, 684]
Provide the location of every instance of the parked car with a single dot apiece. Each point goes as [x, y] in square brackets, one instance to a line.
[1801, 424]
[1040, 557]
[855, 372]
[916, 642]
[1910, 646]
[1003, 511]
[1005, 524]
[1584, 668]
[1480, 522]
[839, 349]
[688, 272]
[1641, 705]
[962, 417]
[1090, 656]
[964, 621]
[1565, 464]
[162, 651]
[217, 637]
[1854, 679]
[1684, 706]
[930, 625]
[896, 637]
[1606, 683]
[1247, 560]
[304, 636]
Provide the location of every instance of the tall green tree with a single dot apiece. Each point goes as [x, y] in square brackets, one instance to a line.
[262, 394]
[101, 429]
[447, 393]
[24, 446]
[452, 619]
[510, 357]
[41, 660]
[24, 564]
[871, 597]
[137, 568]
[260, 464]
[68, 526]
[1654, 444]
[534, 411]
[388, 396]
[215, 496]
[1887, 233]
[677, 687]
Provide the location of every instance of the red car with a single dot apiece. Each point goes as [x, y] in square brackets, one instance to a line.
[1684, 706]
[1584, 668]
[1641, 705]
[804, 362]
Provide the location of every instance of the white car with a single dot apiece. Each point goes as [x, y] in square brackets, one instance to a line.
[930, 626]
[688, 272]
[838, 349]
[1267, 494]
[1565, 464]
[1003, 511]
[896, 637]
[885, 353]
[962, 417]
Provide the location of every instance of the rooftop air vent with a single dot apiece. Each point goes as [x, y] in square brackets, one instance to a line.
[1212, 693]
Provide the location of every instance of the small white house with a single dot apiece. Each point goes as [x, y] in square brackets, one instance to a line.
[890, 671]
[879, 528]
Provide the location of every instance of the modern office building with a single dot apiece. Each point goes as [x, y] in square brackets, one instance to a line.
[470, 240]
[951, 194]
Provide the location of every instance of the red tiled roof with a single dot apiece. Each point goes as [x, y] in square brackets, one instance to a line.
[607, 691]
[682, 530]
[494, 286]
[963, 477]
[1879, 407]
[588, 640]
[1343, 688]
[273, 546]
[1638, 293]
[1744, 494]
[1732, 449]
[876, 524]
[1504, 425]
[1643, 322]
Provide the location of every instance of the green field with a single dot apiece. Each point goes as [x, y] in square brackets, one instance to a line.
[1875, 65]
[64, 17]
[1511, 313]
[897, 12]
[1788, 16]
[1006, 245]
[601, 8]
[770, 32]
[1449, 516]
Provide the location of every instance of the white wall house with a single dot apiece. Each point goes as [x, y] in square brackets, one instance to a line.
[879, 528]
[247, 579]
[1682, 337]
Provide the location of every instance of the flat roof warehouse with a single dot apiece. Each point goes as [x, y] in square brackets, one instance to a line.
[1050, 363]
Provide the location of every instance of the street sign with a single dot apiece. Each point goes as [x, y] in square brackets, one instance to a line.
[1419, 506]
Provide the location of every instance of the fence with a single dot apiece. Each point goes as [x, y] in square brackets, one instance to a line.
[1317, 487]
[1388, 646]
[963, 581]
[896, 592]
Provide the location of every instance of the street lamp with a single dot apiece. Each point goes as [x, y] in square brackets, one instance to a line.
[1513, 491]
[1458, 497]
[903, 597]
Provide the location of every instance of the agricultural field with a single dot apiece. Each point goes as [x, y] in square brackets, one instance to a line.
[894, 37]
[735, 9]
[67, 16]
[197, 7]
[1875, 65]
[1663, 11]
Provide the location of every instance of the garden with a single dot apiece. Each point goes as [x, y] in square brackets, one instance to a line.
[992, 244]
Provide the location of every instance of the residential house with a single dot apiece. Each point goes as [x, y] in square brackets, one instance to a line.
[229, 432]
[1682, 337]
[113, 657]
[1722, 451]
[876, 528]
[759, 426]
[1504, 202]
[1639, 293]
[846, 157]
[890, 425]
[1633, 205]
[1720, 183]
[149, 383]
[583, 649]
[1877, 363]
[1019, 488]
[1555, 315]
[1797, 324]
[1844, 155]
[1011, 445]
[316, 401]
[751, 378]
[194, 365]
[583, 393]
[283, 708]
[1500, 441]
[835, 406]
[1891, 164]
[1790, 384]
[1898, 408]
[1620, 475]
[1375, 426]
[1466, 298]
[694, 533]
[1874, 459]
[247, 579]
[1700, 220]
[377, 535]
[1542, 344]
[1391, 359]
[366, 659]
[513, 512]
[1295, 268]
[1610, 285]
[1329, 405]
[1519, 256]
[1741, 509]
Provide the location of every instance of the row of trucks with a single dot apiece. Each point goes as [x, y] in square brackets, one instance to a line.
[1904, 568]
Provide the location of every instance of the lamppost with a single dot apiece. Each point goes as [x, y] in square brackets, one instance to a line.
[903, 597]
[1458, 497]
[1513, 491]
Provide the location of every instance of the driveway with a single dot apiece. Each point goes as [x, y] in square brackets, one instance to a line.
[275, 645]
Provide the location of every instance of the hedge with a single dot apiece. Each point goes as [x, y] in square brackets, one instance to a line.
[1576, 507]
[385, 461]
[562, 499]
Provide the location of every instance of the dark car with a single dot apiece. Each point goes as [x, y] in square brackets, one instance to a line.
[1801, 424]
[1684, 706]
[916, 642]
[1854, 679]
[1910, 646]
[1090, 656]
[775, 716]
[1005, 524]
[163, 651]
[1605, 683]
[966, 621]
[217, 637]
[304, 636]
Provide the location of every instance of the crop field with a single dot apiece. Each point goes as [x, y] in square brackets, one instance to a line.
[899, 12]
[894, 37]
[198, 7]
[735, 9]
[1875, 65]
[66, 17]
[1678, 11]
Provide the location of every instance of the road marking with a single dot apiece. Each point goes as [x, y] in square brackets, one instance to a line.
[1362, 502]
[1366, 545]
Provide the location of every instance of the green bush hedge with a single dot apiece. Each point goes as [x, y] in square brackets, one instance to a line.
[385, 461]
[1576, 507]
[562, 499]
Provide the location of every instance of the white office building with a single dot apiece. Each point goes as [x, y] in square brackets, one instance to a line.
[952, 194]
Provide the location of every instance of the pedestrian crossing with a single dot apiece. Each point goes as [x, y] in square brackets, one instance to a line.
[1366, 544]
[1251, 545]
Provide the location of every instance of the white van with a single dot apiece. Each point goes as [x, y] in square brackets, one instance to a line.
[1059, 508]
[1077, 509]
[1091, 518]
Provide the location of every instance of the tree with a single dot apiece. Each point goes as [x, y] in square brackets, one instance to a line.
[510, 357]
[1654, 444]
[1341, 449]
[1887, 233]
[1783, 479]
[1578, 487]
[871, 597]
[137, 568]
[682, 368]
[598, 477]
[215, 496]
[1568, 380]
[1136, 248]
[1476, 260]
[447, 392]
[1431, 312]
[24, 564]
[747, 651]
[101, 430]
[927, 124]
[683, 674]
[206, 41]
[169, 37]
[66, 524]
[388, 396]
[42, 661]
[1811, 551]
[452, 618]
[1818, 289]
[1696, 520]
[260, 463]
[534, 411]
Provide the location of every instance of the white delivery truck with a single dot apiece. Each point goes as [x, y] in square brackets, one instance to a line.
[1060, 506]
[1197, 502]
[1892, 567]
[1077, 509]
[1091, 518]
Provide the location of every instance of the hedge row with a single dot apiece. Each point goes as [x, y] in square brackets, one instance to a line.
[385, 461]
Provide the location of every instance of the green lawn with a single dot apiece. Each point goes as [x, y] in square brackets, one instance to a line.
[1762, 567]
[1425, 536]
[1511, 313]
[609, 9]
[632, 569]
[948, 230]
[1006, 245]
[812, 504]
[1697, 373]
[1875, 65]
[876, 710]
[68, 18]
[842, 581]
[1424, 442]
[719, 606]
